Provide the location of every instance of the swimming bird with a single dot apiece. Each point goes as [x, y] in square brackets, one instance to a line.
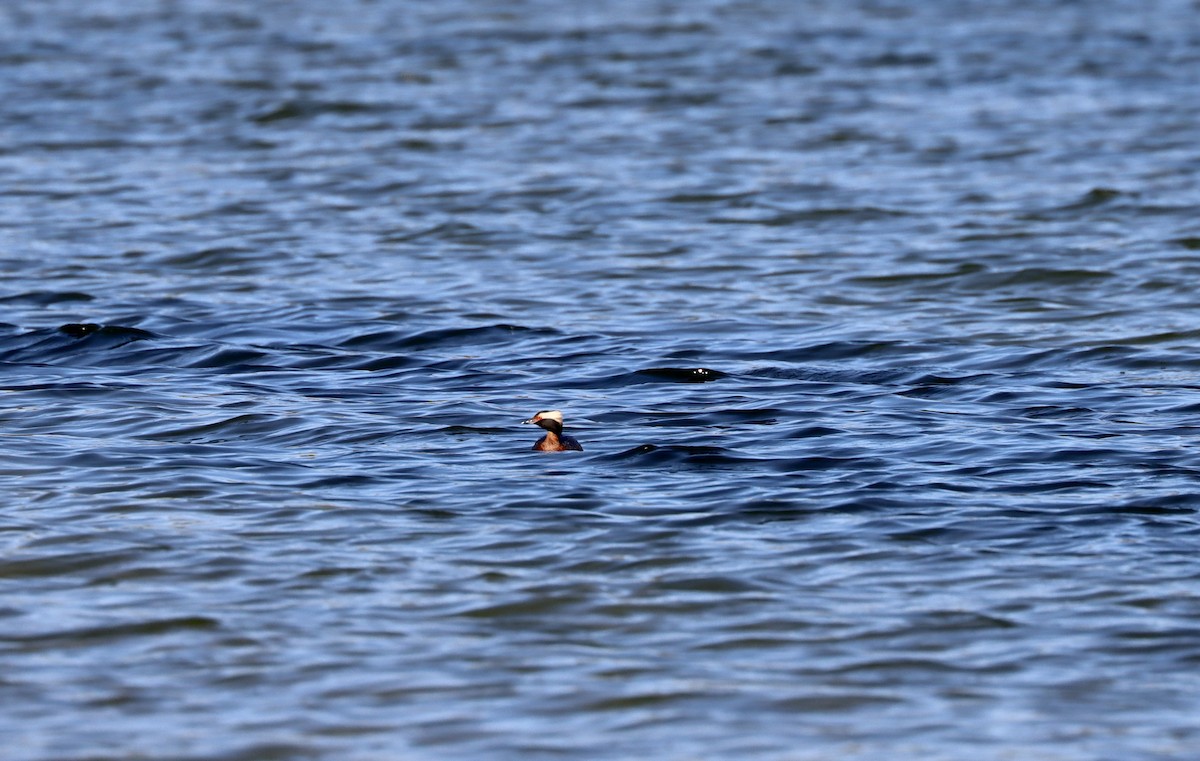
[554, 440]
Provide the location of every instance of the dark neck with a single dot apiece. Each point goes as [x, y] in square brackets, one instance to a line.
[553, 426]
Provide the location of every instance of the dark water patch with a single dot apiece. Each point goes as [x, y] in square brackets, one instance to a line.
[825, 374]
[1180, 503]
[379, 364]
[1035, 276]
[63, 565]
[86, 636]
[47, 298]
[958, 620]
[641, 449]
[934, 386]
[1073, 486]
[1097, 197]
[821, 463]
[457, 232]
[897, 59]
[676, 375]
[230, 257]
[398, 339]
[307, 109]
[1188, 337]
[339, 481]
[1187, 408]
[936, 379]
[725, 418]
[218, 258]
[707, 198]
[827, 351]
[911, 279]
[231, 359]
[814, 431]
[1102, 204]
[1130, 356]
[116, 335]
[682, 454]
[265, 751]
[835, 704]
[68, 341]
[817, 216]
[248, 425]
[1055, 412]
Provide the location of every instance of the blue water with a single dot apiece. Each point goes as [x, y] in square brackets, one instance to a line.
[877, 322]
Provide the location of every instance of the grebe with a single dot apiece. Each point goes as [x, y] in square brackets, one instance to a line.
[554, 440]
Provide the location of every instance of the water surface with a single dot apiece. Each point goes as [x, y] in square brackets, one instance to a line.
[877, 323]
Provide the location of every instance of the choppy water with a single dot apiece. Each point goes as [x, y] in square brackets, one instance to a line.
[878, 323]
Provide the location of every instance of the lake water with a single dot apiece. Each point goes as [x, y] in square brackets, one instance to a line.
[877, 322]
